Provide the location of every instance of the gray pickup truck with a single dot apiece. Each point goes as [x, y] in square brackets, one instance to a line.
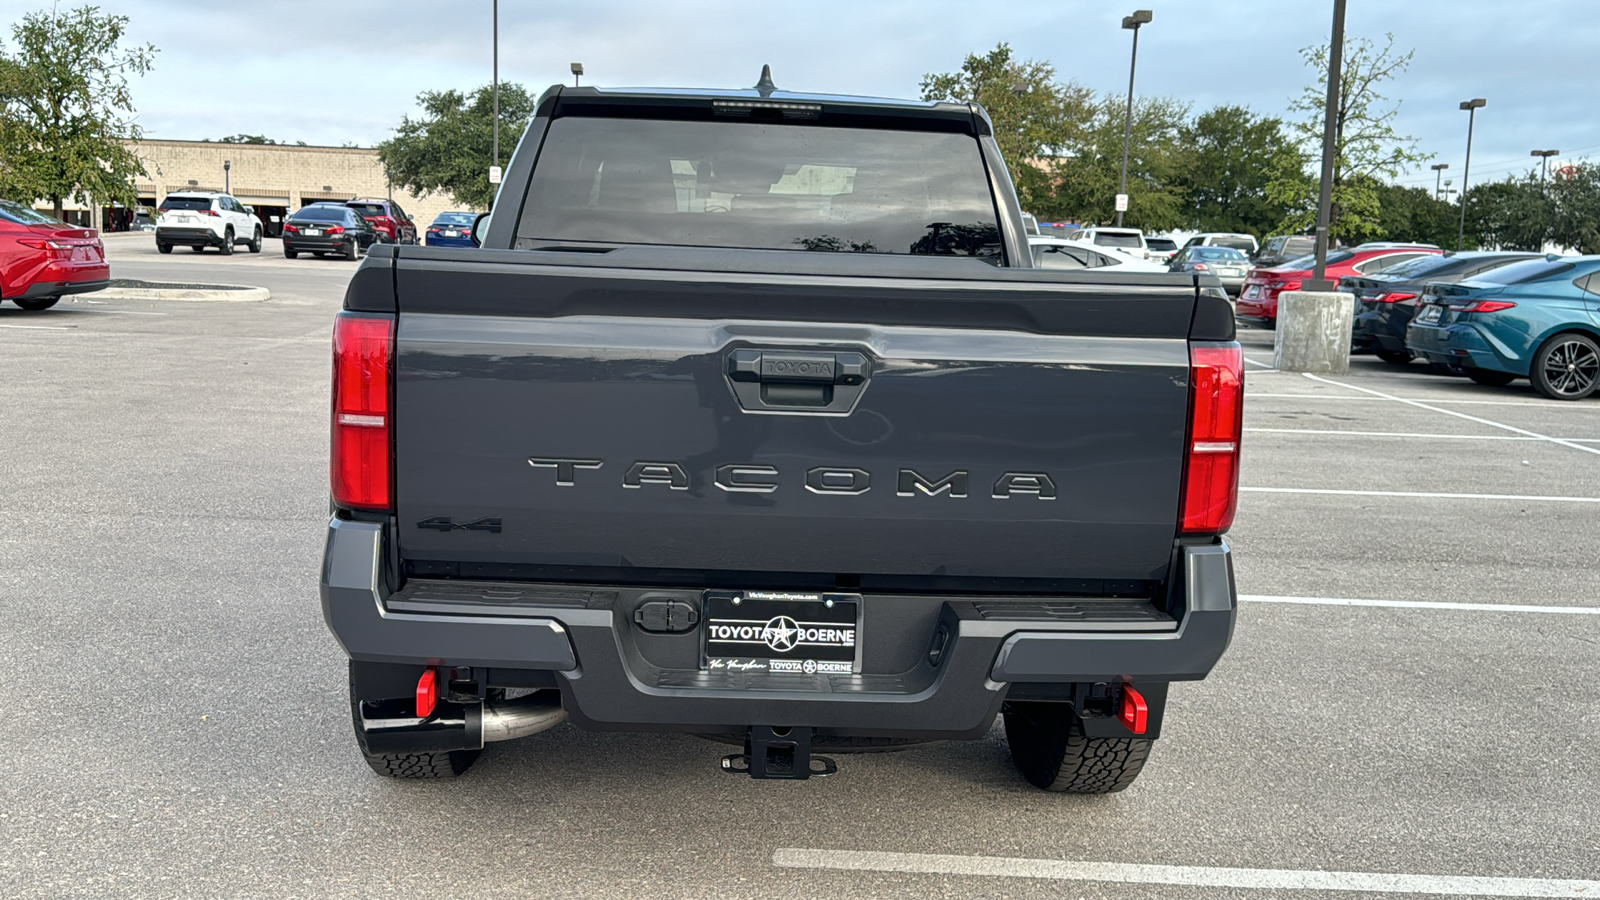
[752, 419]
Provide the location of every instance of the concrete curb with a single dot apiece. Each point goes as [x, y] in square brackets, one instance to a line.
[228, 293]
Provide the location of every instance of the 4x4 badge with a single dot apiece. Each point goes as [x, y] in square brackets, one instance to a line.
[490, 524]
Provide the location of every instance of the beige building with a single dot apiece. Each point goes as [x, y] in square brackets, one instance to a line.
[276, 179]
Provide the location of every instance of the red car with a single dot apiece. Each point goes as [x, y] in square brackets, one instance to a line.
[1259, 298]
[394, 226]
[42, 259]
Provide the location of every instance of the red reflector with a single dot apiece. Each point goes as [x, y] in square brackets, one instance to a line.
[1216, 408]
[428, 694]
[363, 351]
[1135, 713]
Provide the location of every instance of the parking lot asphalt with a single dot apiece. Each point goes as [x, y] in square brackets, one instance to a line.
[177, 725]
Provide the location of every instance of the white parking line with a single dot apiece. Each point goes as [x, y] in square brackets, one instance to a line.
[1413, 434]
[38, 327]
[1194, 876]
[1442, 496]
[1460, 415]
[1425, 604]
[1574, 407]
[1267, 366]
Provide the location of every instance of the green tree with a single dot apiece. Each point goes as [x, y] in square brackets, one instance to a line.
[1034, 116]
[1233, 154]
[1367, 147]
[1576, 198]
[448, 148]
[1412, 214]
[246, 139]
[66, 110]
[1515, 213]
[1090, 167]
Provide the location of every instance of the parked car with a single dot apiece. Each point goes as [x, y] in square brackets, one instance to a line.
[1244, 243]
[1161, 249]
[1259, 298]
[1058, 230]
[1057, 253]
[1386, 301]
[323, 228]
[1279, 249]
[142, 221]
[451, 229]
[388, 218]
[43, 259]
[1228, 264]
[1122, 240]
[201, 219]
[1538, 320]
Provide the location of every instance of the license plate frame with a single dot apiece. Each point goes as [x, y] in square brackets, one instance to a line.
[1430, 314]
[766, 632]
[313, 232]
[1252, 292]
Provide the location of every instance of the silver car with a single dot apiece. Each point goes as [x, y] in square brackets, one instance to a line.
[1229, 265]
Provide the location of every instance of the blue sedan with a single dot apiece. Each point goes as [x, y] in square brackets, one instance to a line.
[451, 229]
[1538, 320]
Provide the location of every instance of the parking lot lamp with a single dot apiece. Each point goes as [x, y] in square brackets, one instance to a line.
[577, 72]
[1544, 163]
[1438, 170]
[1472, 107]
[1318, 280]
[1139, 17]
[227, 183]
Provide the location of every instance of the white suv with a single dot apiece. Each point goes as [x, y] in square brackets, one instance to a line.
[1129, 241]
[201, 219]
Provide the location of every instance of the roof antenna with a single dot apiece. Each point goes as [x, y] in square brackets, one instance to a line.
[765, 85]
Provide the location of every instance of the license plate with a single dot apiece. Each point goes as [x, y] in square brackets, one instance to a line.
[313, 232]
[452, 234]
[1430, 313]
[1252, 292]
[782, 632]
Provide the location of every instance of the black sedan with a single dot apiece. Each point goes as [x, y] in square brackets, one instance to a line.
[324, 228]
[1386, 301]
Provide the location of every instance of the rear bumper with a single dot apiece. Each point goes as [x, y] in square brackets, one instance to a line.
[188, 237]
[1462, 345]
[317, 244]
[613, 677]
[62, 288]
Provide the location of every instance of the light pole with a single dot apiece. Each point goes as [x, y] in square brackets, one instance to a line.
[227, 180]
[494, 30]
[1472, 107]
[1139, 17]
[577, 72]
[1438, 170]
[1329, 136]
[1544, 163]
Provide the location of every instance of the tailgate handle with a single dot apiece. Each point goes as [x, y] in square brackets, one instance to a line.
[790, 381]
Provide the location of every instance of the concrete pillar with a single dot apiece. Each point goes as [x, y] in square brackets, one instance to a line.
[1314, 332]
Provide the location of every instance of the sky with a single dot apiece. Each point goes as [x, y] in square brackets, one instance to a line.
[331, 73]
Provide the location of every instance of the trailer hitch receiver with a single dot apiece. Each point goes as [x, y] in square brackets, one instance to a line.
[778, 752]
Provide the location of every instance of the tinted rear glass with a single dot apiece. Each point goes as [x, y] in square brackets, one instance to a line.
[186, 203]
[760, 185]
[320, 214]
[369, 209]
[1112, 239]
[1161, 244]
[1306, 262]
[1429, 266]
[1220, 254]
[454, 219]
[22, 215]
[1237, 243]
[1523, 272]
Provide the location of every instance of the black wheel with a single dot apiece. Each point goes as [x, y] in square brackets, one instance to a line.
[227, 242]
[35, 304]
[292, 254]
[1490, 377]
[354, 250]
[1395, 357]
[1567, 367]
[1050, 750]
[447, 764]
[163, 248]
[255, 242]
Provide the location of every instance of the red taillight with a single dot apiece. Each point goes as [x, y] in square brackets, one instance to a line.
[207, 212]
[363, 352]
[292, 229]
[1393, 297]
[1201, 267]
[1135, 712]
[434, 230]
[1283, 285]
[334, 229]
[1216, 409]
[1485, 306]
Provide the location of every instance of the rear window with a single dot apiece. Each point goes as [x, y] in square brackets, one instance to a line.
[369, 209]
[454, 219]
[1237, 243]
[320, 214]
[760, 185]
[22, 215]
[1310, 259]
[1426, 267]
[1113, 239]
[190, 203]
[1524, 272]
[1161, 244]
[1219, 254]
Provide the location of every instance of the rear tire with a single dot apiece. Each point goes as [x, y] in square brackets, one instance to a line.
[227, 242]
[163, 248]
[292, 254]
[1490, 377]
[1567, 367]
[1050, 750]
[1395, 357]
[255, 242]
[354, 250]
[36, 304]
[448, 764]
